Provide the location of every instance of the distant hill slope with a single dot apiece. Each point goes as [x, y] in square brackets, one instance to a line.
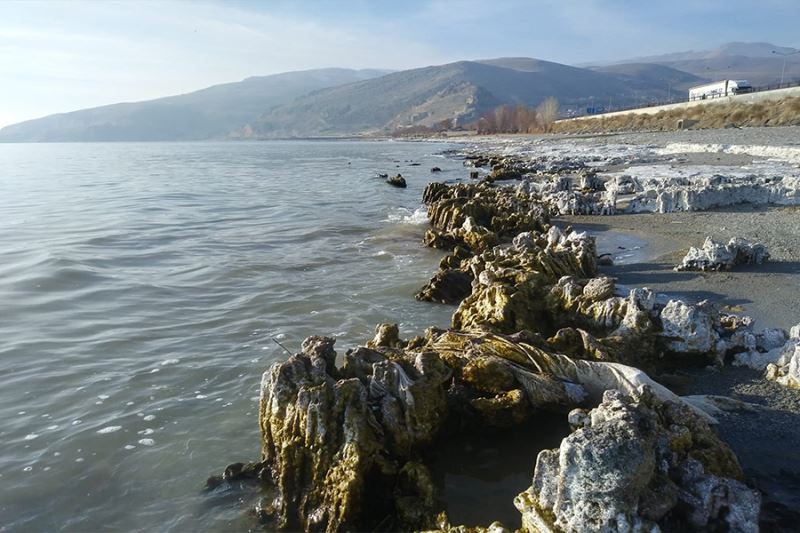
[757, 70]
[755, 62]
[204, 114]
[461, 91]
[655, 80]
[728, 49]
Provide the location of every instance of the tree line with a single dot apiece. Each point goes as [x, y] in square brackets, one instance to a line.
[520, 118]
[502, 119]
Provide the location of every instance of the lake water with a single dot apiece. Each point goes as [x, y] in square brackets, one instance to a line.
[141, 288]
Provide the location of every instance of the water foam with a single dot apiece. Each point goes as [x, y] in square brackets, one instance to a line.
[404, 215]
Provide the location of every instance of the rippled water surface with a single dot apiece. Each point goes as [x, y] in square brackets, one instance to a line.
[141, 287]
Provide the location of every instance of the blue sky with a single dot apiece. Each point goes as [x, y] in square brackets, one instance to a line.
[62, 56]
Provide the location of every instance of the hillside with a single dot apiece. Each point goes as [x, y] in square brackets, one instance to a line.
[759, 71]
[460, 92]
[754, 62]
[753, 50]
[655, 81]
[205, 114]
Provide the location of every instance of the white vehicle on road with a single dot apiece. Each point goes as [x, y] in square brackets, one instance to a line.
[718, 89]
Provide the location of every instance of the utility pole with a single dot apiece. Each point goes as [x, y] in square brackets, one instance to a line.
[785, 55]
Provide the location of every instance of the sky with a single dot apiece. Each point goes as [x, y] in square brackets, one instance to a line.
[58, 56]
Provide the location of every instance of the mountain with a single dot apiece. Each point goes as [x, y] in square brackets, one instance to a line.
[753, 50]
[759, 71]
[654, 81]
[458, 92]
[205, 114]
[755, 62]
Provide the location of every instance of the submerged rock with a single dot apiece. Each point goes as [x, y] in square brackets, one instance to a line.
[637, 463]
[717, 256]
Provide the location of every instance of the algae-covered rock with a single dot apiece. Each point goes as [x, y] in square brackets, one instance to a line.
[345, 446]
[338, 440]
[502, 210]
[386, 335]
[325, 439]
[448, 286]
[397, 181]
[638, 463]
[513, 282]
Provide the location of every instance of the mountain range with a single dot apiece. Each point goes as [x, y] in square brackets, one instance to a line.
[337, 102]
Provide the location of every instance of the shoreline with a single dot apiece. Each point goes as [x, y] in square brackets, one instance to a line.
[537, 326]
[767, 293]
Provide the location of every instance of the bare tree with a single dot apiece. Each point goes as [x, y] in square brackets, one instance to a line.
[547, 113]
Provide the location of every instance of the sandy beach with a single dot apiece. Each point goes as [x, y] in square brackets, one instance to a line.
[767, 292]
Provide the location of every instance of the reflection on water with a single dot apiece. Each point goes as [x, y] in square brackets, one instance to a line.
[480, 473]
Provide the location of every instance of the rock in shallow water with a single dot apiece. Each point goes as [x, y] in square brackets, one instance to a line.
[345, 445]
[397, 181]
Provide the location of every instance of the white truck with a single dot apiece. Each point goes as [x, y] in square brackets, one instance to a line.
[718, 89]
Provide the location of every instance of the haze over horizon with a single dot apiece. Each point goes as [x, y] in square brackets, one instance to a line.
[63, 56]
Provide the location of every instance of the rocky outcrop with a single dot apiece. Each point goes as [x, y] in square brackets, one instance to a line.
[562, 198]
[715, 256]
[344, 445]
[332, 436]
[637, 463]
[469, 220]
[545, 282]
[666, 195]
[500, 210]
[448, 286]
[511, 283]
[783, 362]
[397, 181]
[568, 186]
[689, 328]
